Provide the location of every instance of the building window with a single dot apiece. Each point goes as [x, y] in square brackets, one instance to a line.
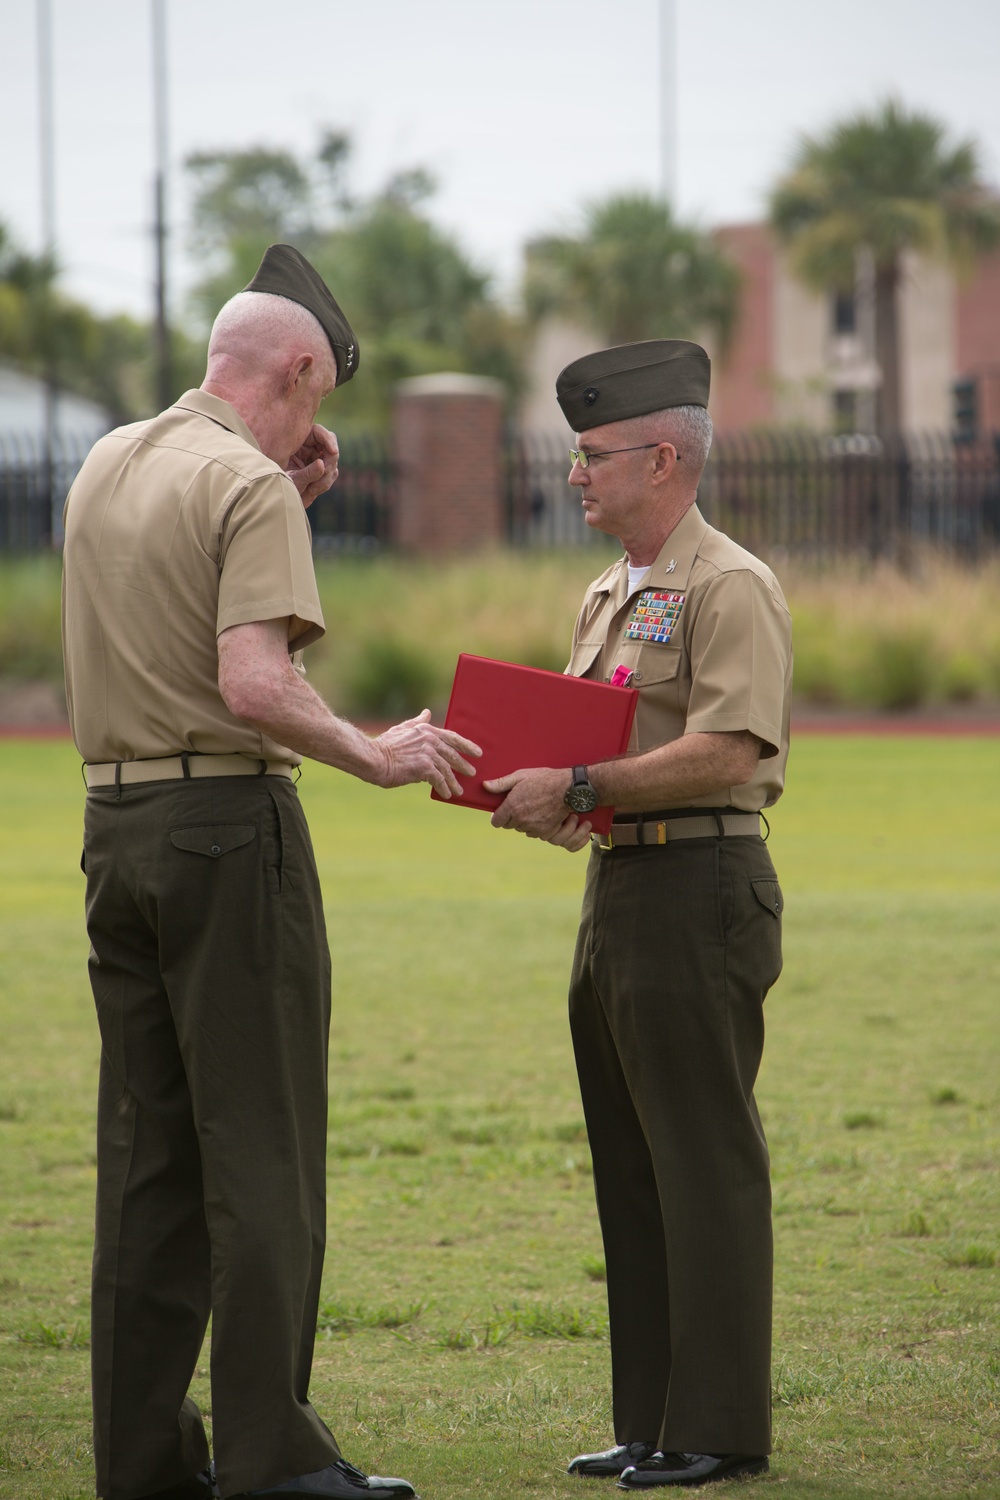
[844, 313]
[845, 414]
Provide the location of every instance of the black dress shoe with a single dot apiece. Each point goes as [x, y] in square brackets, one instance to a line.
[612, 1461]
[338, 1481]
[690, 1469]
[199, 1487]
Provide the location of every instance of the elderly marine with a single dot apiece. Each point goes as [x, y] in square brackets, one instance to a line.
[680, 937]
[189, 593]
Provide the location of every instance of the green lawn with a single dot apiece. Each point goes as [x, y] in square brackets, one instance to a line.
[463, 1338]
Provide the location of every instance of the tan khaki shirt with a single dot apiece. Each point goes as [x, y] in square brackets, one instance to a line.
[176, 529]
[708, 638]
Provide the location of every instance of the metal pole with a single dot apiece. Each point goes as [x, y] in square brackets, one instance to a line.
[668, 102]
[47, 176]
[164, 373]
[864, 322]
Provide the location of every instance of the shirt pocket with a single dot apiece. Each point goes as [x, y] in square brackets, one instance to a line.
[213, 839]
[585, 654]
[655, 665]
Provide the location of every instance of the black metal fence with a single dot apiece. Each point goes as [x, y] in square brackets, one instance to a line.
[818, 497]
[542, 508]
[796, 494]
[33, 487]
[354, 517]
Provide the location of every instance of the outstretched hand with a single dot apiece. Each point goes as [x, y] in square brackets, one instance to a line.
[313, 469]
[418, 750]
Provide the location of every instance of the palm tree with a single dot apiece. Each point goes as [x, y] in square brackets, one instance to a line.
[633, 273]
[884, 182]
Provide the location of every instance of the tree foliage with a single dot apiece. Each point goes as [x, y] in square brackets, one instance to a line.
[633, 273]
[47, 334]
[415, 301]
[888, 180]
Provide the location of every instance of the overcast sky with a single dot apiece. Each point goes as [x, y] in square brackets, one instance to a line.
[523, 109]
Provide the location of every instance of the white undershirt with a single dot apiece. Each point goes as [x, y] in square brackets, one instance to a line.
[634, 574]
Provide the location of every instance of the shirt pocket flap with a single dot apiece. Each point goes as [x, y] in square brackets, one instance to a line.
[656, 664]
[768, 893]
[585, 653]
[213, 840]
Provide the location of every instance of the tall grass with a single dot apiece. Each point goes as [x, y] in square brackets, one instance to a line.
[29, 618]
[865, 636]
[877, 637]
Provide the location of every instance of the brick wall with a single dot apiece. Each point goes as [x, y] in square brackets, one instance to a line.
[446, 447]
[977, 329]
[743, 381]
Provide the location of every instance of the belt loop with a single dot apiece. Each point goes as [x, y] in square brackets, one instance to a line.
[83, 773]
[661, 833]
[263, 768]
[185, 765]
[298, 775]
[640, 829]
[118, 780]
[719, 823]
[766, 825]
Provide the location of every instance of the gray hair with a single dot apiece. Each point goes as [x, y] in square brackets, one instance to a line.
[689, 428]
[693, 427]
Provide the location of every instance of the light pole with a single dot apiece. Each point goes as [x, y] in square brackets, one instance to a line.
[668, 101]
[47, 179]
[164, 373]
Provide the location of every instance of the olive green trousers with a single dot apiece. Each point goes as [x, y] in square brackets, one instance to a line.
[211, 976]
[677, 949]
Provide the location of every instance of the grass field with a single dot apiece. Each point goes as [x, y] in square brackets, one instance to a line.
[463, 1333]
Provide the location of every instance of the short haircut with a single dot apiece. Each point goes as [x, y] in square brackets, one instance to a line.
[264, 324]
[689, 428]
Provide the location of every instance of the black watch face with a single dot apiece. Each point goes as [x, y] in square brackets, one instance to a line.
[582, 798]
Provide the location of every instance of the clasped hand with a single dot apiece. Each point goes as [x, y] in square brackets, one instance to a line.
[314, 467]
[534, 805]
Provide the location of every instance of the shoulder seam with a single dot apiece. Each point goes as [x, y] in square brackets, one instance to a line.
[212, 458]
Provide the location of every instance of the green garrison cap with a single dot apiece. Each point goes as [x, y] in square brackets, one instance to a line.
[284, 272]
[632, 379]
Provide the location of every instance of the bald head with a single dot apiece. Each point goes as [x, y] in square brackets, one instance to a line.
[270, 358]
[260, 332]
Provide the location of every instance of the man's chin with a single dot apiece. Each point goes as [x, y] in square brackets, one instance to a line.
[592, 517]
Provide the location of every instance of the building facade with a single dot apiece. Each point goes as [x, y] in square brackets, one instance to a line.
[798, 358]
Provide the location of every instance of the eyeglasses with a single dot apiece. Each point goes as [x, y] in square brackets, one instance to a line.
[579, 456]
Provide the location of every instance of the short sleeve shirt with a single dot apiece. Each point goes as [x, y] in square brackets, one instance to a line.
[707, 639]
[176, 529]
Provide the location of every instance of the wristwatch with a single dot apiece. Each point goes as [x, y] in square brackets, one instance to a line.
[580, 795]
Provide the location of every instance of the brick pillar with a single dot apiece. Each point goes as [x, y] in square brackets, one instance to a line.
[446, 448]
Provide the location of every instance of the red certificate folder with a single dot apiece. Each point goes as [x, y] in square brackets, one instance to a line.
[522, 716]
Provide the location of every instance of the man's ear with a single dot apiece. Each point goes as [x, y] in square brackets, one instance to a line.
[297, 370]
[665, 461]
